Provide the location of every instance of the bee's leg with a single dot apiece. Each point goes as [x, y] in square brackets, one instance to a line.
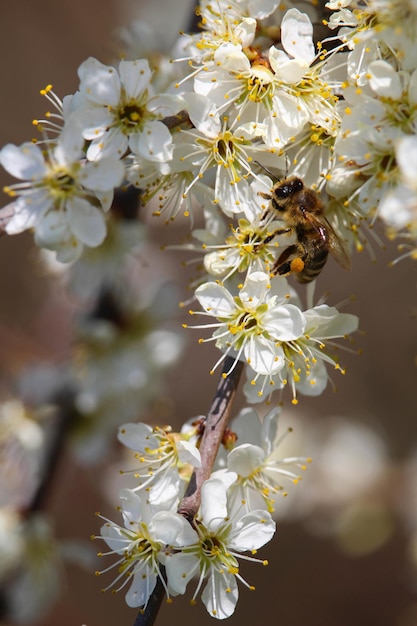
[279, 231]
[285, 264]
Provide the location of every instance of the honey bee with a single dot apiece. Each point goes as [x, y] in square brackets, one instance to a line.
[301, 210]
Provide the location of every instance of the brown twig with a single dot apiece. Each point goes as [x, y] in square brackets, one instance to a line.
[215, 425]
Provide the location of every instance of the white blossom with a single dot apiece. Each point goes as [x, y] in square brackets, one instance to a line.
[219, 539]
[64, 197]
[255, 459]
[117, 111]
[304, 368]
[146, 534]
[254, 324]
[162, 455]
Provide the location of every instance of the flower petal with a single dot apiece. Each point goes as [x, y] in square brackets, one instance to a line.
[172, 529]
[102, 175]
[263, 355]
[284, 323]
[137, 436]
[100, 84]
[135, 77]
[252, 531]
[221, 594]
[86, 221]
[188, 453]
[215, 299]
[25, 162]
[143, 584]
[297, 35]
[131, 507]
[180, 568]
[245, 459]
[154, 142]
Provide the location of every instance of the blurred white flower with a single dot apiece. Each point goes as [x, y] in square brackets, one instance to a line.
[63, 197]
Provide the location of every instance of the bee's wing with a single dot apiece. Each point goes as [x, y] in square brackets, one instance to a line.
[329, 235]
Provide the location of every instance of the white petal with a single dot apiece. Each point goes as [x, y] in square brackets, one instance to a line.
[164, 492]
[255, 289]
[166, 104]
[263, 355]
[68, 251]
[113, 143]
[245, 459]
[297, 35]
[25, 162]
[231, 58]
[51, 229]
[245, 31]
[215, 299]
[143, 584]
[220, 595]
[180, 568]
[396, 208]
[188, 453]
[289, 116]
[154, 143]
[172, 529]
[315, 383]
[86, 221]
[102, 175]
[412, 88]
[113, 537]
[261, 9]
[228, 192]
[131, 507]
[203, 114]
[256, 390]
[247, 426]
[406, 153]
[252, 531]
[289, 71]
[326, 322]
[99, 83]
[137, 436]
[135, 77]
[213, 503]
[384, 80]
[94, 121]
[269, 429]
[26, 214]
[284, 323]
[70, 142]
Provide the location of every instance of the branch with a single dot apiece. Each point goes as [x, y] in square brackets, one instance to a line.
[214, 428]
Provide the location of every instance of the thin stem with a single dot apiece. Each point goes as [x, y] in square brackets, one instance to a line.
[214, 428]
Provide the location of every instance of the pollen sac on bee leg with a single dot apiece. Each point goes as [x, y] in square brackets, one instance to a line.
[297, 265]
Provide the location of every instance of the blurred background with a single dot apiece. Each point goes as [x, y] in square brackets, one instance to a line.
[345, 553]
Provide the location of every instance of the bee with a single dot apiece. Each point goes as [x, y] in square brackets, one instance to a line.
[301, 209]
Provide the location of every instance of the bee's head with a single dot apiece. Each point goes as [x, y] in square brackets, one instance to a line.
[288, 187]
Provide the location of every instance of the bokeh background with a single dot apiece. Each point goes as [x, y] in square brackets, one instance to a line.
[345, 553]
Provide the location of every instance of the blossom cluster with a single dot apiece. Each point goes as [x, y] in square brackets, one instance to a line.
[234, 516]
[246, 102]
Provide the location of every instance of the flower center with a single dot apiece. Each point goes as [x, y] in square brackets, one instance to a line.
[61, 182]
[131, 115]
